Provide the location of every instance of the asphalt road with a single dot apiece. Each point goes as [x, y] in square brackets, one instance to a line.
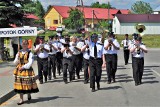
[122, 93]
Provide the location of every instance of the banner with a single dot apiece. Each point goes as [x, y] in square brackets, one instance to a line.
[14, 32]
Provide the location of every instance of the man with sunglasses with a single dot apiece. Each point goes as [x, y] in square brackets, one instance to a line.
[95, 62]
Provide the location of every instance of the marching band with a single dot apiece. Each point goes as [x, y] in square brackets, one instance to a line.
[71, 54]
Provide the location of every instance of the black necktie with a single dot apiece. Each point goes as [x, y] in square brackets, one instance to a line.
[126, 42]
[110, 47]
[95, 51]
[50, 49]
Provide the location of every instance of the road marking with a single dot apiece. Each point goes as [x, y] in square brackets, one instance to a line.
[155, 72]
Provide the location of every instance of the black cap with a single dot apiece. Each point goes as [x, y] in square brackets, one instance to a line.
[94, 36]
[56, 36]
[41, 37]
[111, 34]
[139, 38]
[50, 37]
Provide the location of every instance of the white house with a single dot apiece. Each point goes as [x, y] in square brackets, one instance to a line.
[125, 23]
[157, 10]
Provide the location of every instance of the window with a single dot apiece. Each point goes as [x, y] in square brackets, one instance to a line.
[55, 21]
[114, 30]
[114, 21]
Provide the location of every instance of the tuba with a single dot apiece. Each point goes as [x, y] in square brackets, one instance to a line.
[140, 28]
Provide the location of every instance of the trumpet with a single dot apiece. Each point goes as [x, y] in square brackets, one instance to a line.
[138, 48]
[41, 47]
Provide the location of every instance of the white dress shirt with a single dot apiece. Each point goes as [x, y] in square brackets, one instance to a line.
[113, 50]
[126, 43]
[86, 53]
[65, 54]
[55, 44]
[99, 49]
[43, 54]
[30, 59]
[141, 52]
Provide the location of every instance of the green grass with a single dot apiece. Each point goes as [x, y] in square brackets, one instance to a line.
[151, 41]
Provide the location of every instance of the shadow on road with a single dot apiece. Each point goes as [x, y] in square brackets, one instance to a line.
[150, 82]
[43, 99]
[111, 88]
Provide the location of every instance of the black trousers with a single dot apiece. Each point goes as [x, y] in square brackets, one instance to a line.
[95, 71]
[86, 65]
[111, 65]
[51, 66]
[15, 49]
[81, 61]
[67, 66]
[126, 56]
[138, 67]
[42, 68]
[76, 65]
[59, 57]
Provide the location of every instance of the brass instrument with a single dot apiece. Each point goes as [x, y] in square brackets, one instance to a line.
[140, 28]
[138, 48]
[41, 48]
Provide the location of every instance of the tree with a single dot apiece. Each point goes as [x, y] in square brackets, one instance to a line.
[75, 19]
[103, 5]
[141, 7]
[40, 12]
[49, 7]
[10, 13]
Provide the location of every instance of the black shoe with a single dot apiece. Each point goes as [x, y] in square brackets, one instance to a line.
[125, 63]
[41, 82]
[98, 87]
[93, 90]
[45, 80]
[20, 103]
[136, 84]
[29, 98]
[114, 80]
[55, 77]
[85, 82]
[49, 78]
[65, 82]
[109, 82]
[78, 77]
[73, 78]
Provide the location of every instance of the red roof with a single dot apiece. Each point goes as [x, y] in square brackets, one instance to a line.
[139, 18]
[31, 16]
[124, 11]
[99, 12]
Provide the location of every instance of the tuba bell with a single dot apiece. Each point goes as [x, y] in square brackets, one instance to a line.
[140, 28]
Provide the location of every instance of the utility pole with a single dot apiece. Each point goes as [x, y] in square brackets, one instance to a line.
[93, 19]
[108, 17]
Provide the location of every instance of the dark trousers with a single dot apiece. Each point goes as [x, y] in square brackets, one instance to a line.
[59, 57]
[76, 65]
[126, 56]
[111, 65]
[86, 65]
[138, 67]
[81, 61]
[15, 49]
[67, 66]
[52, 66]
[42, 66]
[95, 71]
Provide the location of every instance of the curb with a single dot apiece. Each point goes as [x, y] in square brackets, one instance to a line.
[7, 96]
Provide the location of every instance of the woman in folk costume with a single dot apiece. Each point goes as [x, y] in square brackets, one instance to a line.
[25, 82]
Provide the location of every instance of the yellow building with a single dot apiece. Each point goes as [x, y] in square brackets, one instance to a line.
[55, 16]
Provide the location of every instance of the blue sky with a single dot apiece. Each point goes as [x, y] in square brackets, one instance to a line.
[119, 4]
